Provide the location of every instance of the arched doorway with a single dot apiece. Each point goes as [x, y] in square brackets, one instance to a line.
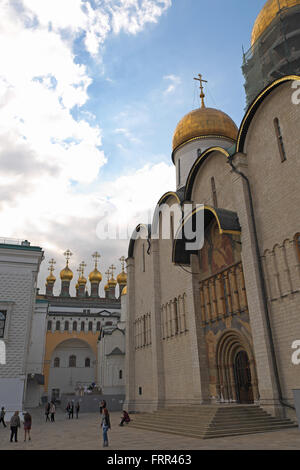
[236, 371]
[242, 376]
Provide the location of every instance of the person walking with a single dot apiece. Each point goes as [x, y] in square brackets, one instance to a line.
[77, 408]
[27, 426]
[14, 425]
[102, 405]
[68, 409]
[52, 412]
[125, 418]
[72, 409]
[105, 424]
[47, 411]
[2, 414]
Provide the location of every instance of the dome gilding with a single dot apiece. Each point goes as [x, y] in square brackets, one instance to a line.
[268, 13]
[204, 122]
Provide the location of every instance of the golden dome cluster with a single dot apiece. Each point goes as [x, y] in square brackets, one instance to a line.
[268, 14]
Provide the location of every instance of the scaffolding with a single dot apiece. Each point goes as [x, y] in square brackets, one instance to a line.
[276, 53]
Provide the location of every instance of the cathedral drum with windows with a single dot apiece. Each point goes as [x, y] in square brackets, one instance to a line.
[215, 324]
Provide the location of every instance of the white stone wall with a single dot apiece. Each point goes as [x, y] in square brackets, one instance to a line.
[65, 378]
[188, 154]
[110, 364]
[18, 275]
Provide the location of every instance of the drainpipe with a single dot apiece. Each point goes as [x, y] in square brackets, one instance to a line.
[263, 285]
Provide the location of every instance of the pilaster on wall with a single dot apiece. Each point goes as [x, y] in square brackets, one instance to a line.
[264, 361]
[198, 345]
[130, 340]
[157, 348]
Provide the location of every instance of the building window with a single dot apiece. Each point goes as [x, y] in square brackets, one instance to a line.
[3, 314]
[87, 362]
[66, 325]
[82, 326]
[98, 326]
[214, 192]
[56, 362]
[120, 374]
[140, 391]
[297, 243]
[49, 326]
[143, 258]
[72, 361]
[57, 326]
[172, 227]
[90, 326]
[74, 325]
[279, 140]
[108, 323]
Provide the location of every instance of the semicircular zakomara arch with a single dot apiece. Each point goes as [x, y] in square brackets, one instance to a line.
[227, 221]
[253, 107]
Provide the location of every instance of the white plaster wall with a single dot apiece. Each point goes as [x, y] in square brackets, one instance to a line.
[109, 366]
[188, 154]
[66, 378]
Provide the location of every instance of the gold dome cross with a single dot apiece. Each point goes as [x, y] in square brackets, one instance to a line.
[202, 95]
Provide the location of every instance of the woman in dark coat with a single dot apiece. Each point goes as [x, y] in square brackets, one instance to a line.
[27, 426]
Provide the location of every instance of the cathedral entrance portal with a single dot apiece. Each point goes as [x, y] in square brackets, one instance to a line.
[236, 371]
[242, 376]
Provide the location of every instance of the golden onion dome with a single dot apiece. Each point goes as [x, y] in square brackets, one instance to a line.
[268, 14]
[81, 280]
[50, 278]
[204, 122]
[122, 278]
[77, 286]
[66, 274]
[124, 291]
[95, 276]
[106, 287]
[112, 282]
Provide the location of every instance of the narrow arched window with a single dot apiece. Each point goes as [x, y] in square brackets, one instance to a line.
[279, 140]
[56, 362]
[66, 326]
[49, 326]
[297, 243]
[143, 258]
[120, 374]
[82, 326]
[72, 361]
[175, 306]
[98, 327]
[57, 326]
[108, 323]
[214, 192]
[87, 362]
[90, 326]
[74, 325]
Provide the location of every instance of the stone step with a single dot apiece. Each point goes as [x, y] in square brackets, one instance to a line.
[214, 426]
[211, 421]
[204, 434]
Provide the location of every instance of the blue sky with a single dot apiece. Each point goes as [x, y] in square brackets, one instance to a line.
[90, 94]
[191, 37]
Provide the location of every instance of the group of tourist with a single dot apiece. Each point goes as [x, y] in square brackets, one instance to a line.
[50, 409]
[15, 424]
[70, 409]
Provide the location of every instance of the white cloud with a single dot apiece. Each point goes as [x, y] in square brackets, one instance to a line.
[174, 82]
[45, 153]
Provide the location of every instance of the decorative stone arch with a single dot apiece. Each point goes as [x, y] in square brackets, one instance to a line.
[230, 345]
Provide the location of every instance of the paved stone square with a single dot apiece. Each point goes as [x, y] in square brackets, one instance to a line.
[85, 434]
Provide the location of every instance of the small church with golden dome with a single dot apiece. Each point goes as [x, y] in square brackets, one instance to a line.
[84, 345]
[215, 324]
